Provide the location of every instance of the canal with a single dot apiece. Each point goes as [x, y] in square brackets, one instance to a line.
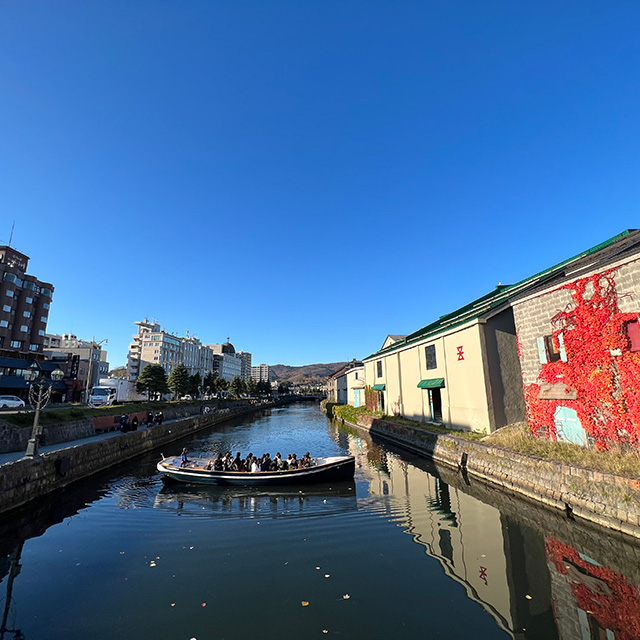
[406, 550]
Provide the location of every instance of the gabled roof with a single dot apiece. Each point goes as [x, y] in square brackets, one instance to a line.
[503, 294]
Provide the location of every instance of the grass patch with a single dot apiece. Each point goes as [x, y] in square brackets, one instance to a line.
[519, 438]
[350, 414]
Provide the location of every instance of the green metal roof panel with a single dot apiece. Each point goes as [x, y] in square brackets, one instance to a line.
[432, 383]
[378, 387]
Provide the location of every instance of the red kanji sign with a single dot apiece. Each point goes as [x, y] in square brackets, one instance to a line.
[460, 353]
[483, 575]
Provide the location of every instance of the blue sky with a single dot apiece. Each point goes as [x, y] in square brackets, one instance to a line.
[307, 177]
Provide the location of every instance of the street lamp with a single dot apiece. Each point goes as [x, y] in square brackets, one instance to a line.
[94, 345]
[39, 396]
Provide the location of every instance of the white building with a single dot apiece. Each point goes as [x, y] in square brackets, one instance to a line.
[261, 373]
[245, 357]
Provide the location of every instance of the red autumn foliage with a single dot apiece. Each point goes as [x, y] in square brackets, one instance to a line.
[608, 397]
[601, 592]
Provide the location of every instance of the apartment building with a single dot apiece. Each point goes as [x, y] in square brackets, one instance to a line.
[261, 373]
[25, 302]
[245, 358]
[153, 345]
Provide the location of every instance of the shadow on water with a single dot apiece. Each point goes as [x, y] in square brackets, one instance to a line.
[304, 500]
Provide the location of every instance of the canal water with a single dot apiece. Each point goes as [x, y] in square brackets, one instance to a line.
[406, 550]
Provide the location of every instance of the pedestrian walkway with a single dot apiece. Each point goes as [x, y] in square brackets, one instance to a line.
[16, 455]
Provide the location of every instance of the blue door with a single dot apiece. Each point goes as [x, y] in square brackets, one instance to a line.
[568, 426]
[356, 397]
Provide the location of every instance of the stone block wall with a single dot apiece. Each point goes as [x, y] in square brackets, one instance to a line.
[608, 500]
[27, 479]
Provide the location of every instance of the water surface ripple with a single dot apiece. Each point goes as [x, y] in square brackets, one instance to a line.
[405, 550]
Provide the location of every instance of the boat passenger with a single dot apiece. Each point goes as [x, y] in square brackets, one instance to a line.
[266, 462]
[255, 465]
[294, 461]
[218, 465]
[183, 458]
[237, 463]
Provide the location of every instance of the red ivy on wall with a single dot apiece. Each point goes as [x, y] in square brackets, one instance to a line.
[607, 394]
[601, 592]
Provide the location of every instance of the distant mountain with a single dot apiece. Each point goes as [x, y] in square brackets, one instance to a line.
[308, 374]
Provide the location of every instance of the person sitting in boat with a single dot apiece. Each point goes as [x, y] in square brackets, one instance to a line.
[255, 465]
[306, 460]
[281, 464]
[237, 463]
[267, 463]
[294, 462]
[218, 465]
[247, 461]
[183, 458]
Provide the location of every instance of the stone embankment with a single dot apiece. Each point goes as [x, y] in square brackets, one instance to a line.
[13, 438]
[27, 479]
[608, 500]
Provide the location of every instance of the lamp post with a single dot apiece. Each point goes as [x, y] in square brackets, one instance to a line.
[39, 396]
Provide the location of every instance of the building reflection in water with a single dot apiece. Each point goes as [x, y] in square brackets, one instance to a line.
[541, 576]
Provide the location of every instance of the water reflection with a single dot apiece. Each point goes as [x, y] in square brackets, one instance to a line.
[541, 576]
[204, 500]
[534, 574]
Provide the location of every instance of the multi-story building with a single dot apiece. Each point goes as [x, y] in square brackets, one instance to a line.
[90, 363]
[245, 357]
[153, 345]
[261, 373]
[24, 306]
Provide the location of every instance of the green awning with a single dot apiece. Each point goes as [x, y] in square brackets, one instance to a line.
[378, 387]
[431, 383]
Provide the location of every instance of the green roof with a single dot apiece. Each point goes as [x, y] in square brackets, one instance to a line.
[378, 387]
[432, 383]
[501, 295]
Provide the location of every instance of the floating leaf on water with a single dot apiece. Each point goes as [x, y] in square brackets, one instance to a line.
[346, 596]
[327, 575]
[152, 564]
[204, 604]
[325, 631]
[528, 597]
[173, 604]
[484, 555]
[190, 547]
[317, 568]
[305, 603]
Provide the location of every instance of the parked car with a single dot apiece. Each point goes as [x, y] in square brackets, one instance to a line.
[187, 397]
[11, 402]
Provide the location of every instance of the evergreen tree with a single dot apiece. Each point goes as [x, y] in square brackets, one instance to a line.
[252, 387]
[152, 380]
[195, 382]
[220, 384]
[237, 386]
[179, 380]
[210, 381]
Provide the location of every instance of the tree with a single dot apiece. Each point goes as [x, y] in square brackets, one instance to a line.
[210, 381]
[220, 384]
[195, 382]
[252, 387]
[284, 388]
[238, 386]
[152, 380]
[179, 380]
[263, 388]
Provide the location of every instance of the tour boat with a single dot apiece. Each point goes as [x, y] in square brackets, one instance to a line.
[196, 471]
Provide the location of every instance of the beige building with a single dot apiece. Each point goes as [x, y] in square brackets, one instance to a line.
[91, 362]
[461, 371]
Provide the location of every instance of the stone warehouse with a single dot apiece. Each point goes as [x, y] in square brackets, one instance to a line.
[561, 347]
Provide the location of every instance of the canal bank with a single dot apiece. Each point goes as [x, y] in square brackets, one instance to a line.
[26, 479]
[608, 500]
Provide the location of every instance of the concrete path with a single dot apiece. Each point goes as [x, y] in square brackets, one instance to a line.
[16, 455]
